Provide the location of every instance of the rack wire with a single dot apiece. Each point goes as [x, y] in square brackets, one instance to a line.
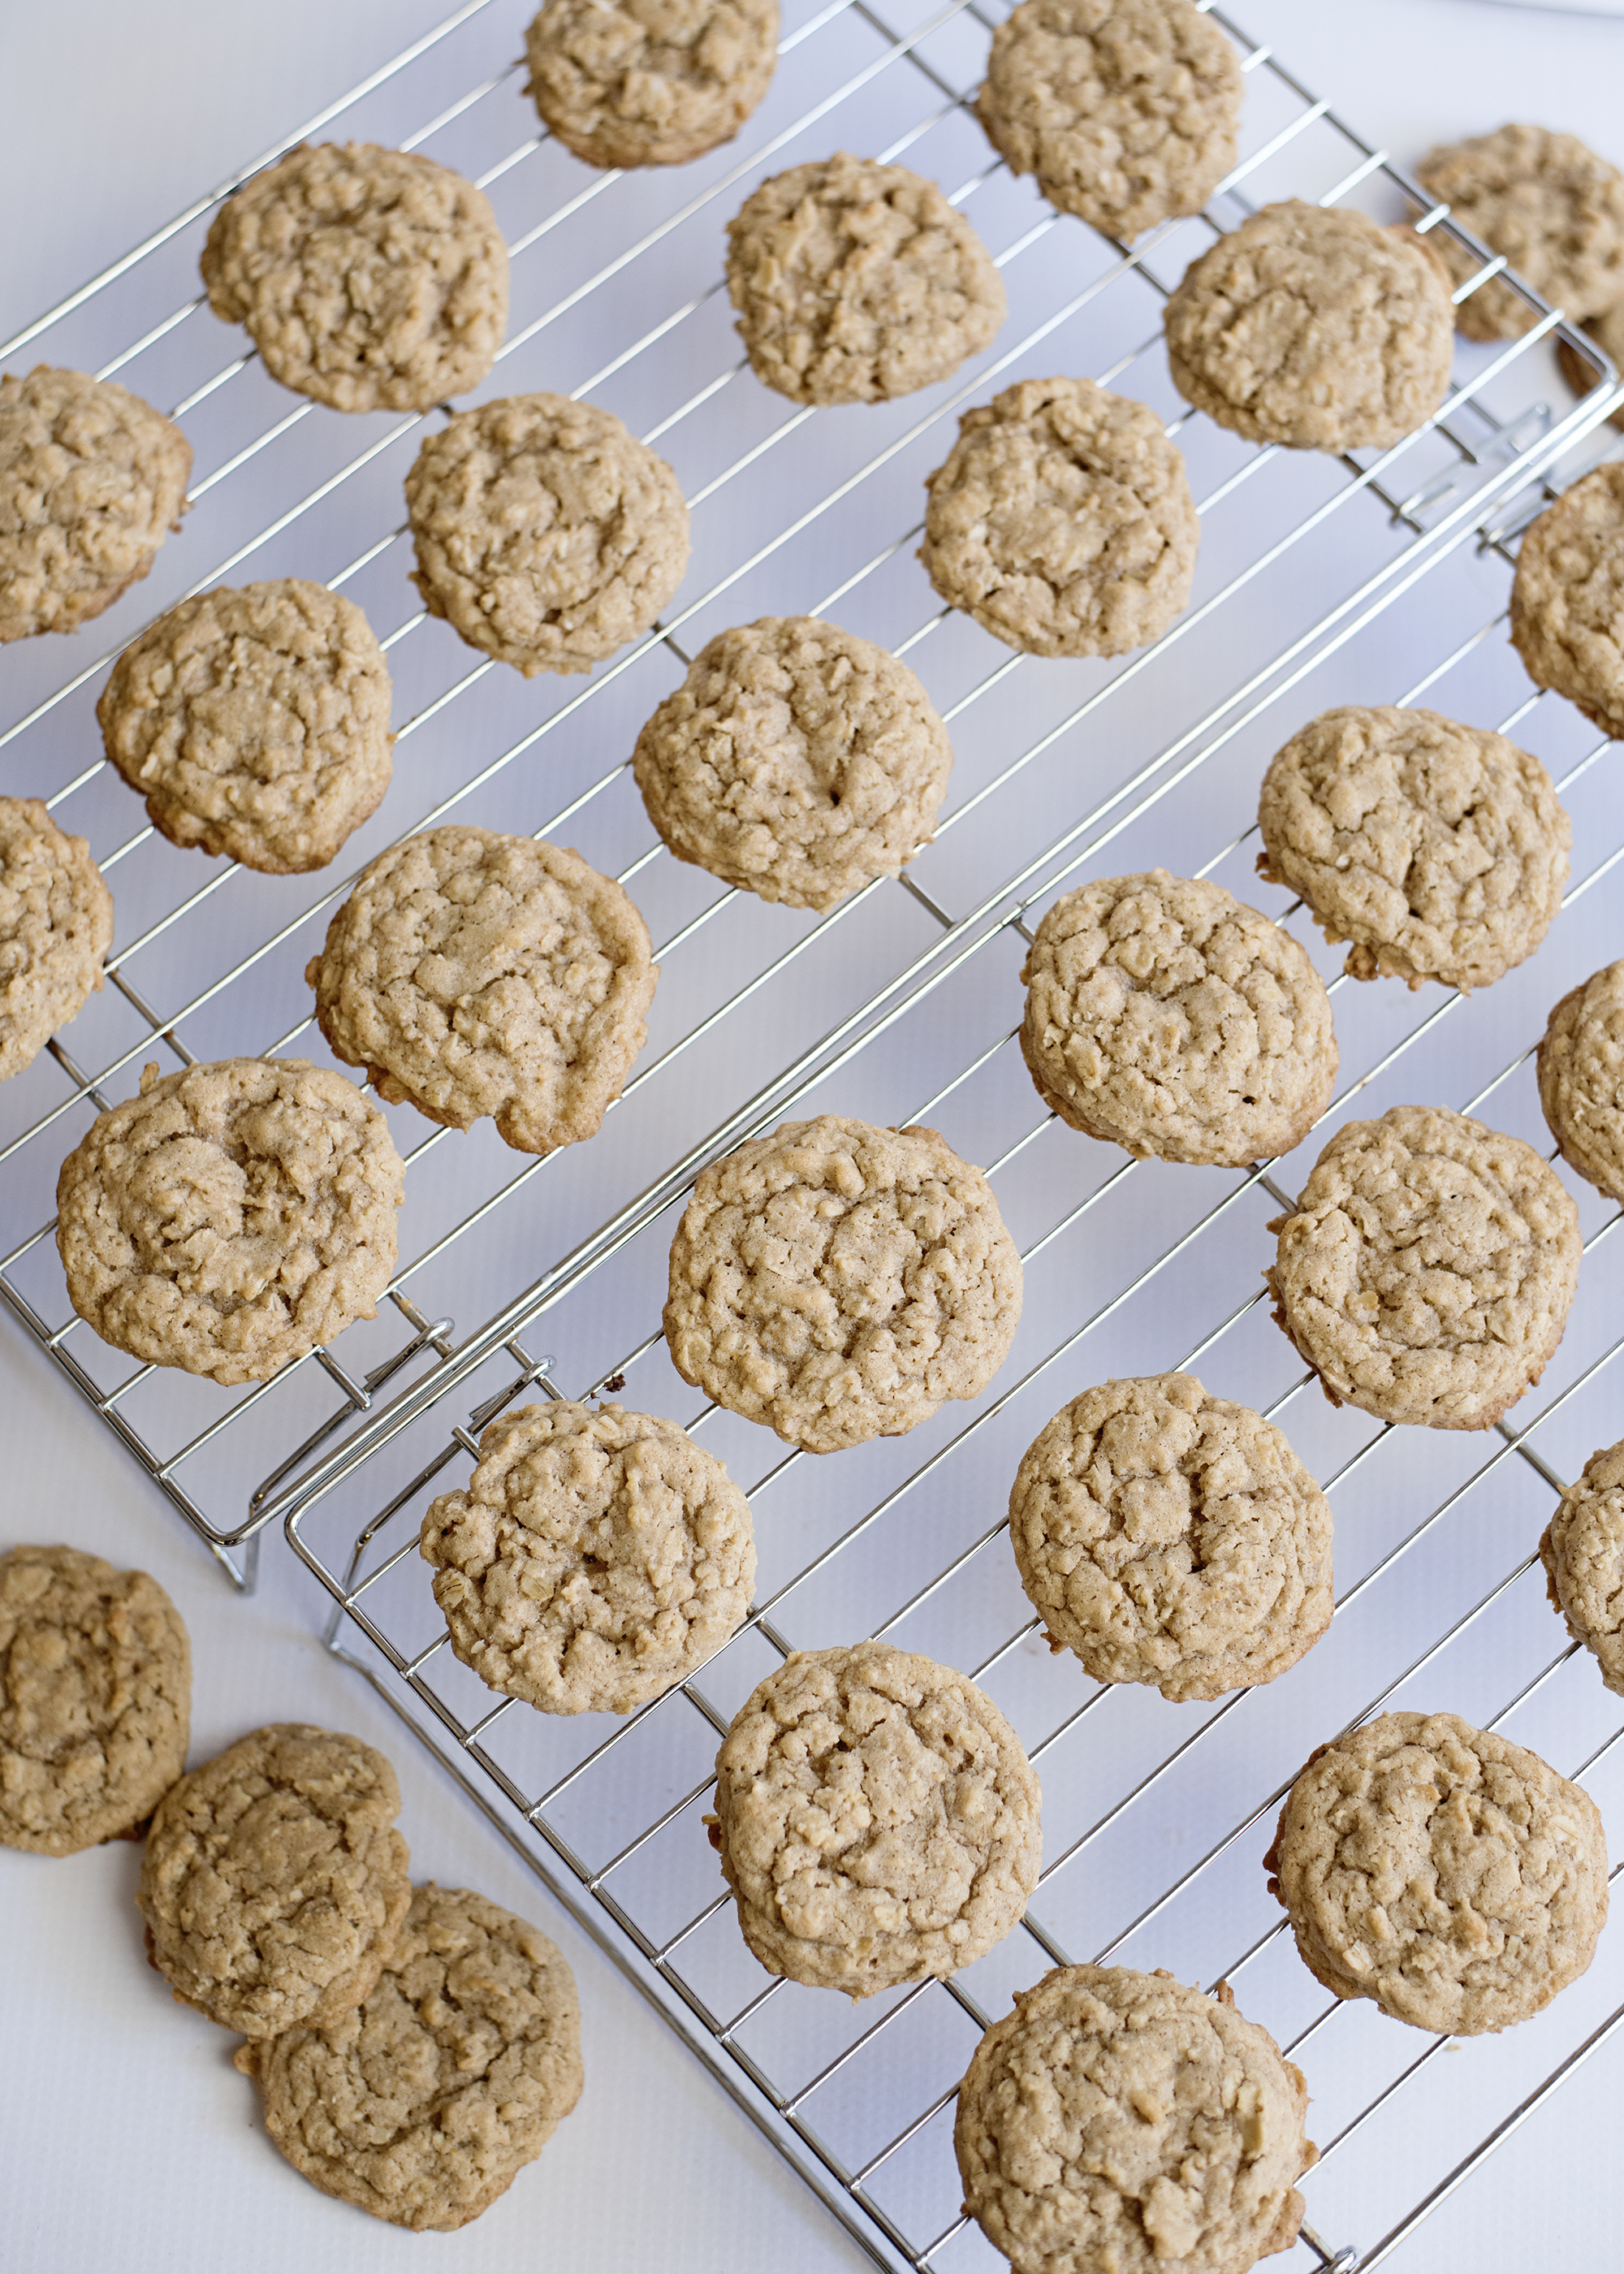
[1371, 577]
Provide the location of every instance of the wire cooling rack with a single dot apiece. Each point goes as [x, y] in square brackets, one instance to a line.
[1373, 577]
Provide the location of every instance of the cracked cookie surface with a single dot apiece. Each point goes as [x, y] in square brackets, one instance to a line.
[1550, 205]
[1568, 599]
[1581, 1067]
[55, 927]
[1583, 1551]
[650, 82]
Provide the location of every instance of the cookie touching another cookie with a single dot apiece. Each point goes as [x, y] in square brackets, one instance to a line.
[55, 927]
[1126, 110]
[877, 1819]
[1580, 1065]
[795, 760]
[1450, 1876]
[1427, 1270]
[1583, 1551]
[1568, 599]
[1438, 851]
[1550, 206]
[1119, 2122]
[624, 85]
[1164, 1016]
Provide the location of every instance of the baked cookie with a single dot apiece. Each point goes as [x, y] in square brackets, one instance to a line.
[1580, 1068]
[1568, 599]
[230, 1217]
[1583, 1551]
[795, 760]
[1439, 851]
[1169, 1537]
[1167, 1018]
[1061, 521]
[1127, 111]
[1313, 327]
[90, 478]
[876, 1818]
[1553, 208]
[56, 926]
[856, 282]
[473, 974]
[425, 2102]
[545, 533]
[837, 1282]
[1118, 2122]
[1607, 330]
[255, 723]
[371, 279]
[624, 84]
[595, 1559]
[274, 1883]
[1426, 1272]
[95, 1699]
[1451, 1876]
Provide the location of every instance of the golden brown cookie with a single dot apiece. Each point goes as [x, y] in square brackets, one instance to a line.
[1581, 1069]
[1550, 205]
[1607, 330]
[625, 84]
[1583, 1551]
[1568, 599]
[55, 927]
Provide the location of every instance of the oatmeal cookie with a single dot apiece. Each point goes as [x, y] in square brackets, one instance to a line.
[255, 723]
[1312, 326]
[1169, 1537]
[1553, 208]
[1450, 1876]
[1439, 851]
[795, 760]
[837, 1282]
[594, 1559]
[56, 926]
[473, 974]
[876, 1818]
[1607, 330]
[90, 478]
[1426, 1272]
[1061, 521]
[275, 1883]
[230, 1217]
[1126, 110]
[425, 2102]
[95, 1699]
[626, 83]
[545, 533]
[1167, 1018]
[1583, 1551]
[1568, 599]
[856, 282]
[371, 279]
[1581, 1079]
[1117, 2122]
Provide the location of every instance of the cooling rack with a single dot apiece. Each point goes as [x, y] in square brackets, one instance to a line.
[1373, 577]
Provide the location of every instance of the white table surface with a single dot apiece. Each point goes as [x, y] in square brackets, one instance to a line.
[127, 2141]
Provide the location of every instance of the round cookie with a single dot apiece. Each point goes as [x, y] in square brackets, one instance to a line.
[95, 1699]
[1312, 326]
[1126, 110]
[856, 282]
[230, 1217]
[90, 478]
[1581, 1066]
[1061, 521]
[795, 760]
[274, 1883]
[1583, 1551]
[371, 279]
[425, 2103]
[255, 723]
[1118, 2122]
[595, 1558]
[56, 926]
[1454, 1879]
[1551, 207]
[1439, 851]
[837, 1282]
[474, 974]
[1169, 1537]
[1568, 599]
[1426, 1272]
[1164, 1016]
[545, 533]
[1607, 330]
[876, 1818]
[622, 83]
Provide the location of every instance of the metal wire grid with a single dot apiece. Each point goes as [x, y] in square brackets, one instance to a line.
[196, 1443]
